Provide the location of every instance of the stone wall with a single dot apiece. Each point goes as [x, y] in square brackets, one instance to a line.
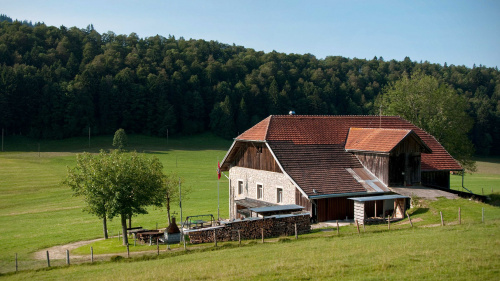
[270, 181]
[273, 226]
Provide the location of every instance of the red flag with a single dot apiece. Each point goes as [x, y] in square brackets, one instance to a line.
[218, 170]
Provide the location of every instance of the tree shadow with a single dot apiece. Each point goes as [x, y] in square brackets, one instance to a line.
[420, 211]
[494, 199]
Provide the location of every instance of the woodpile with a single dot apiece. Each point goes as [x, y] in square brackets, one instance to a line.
[252, 229]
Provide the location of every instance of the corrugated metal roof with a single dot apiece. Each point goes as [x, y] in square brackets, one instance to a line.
[278, 208]
[253, 203]
[368, 180]
[376, 198]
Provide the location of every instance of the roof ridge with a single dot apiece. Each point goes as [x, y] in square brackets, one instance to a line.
[329, 115]
[394, 129]
[268, 125]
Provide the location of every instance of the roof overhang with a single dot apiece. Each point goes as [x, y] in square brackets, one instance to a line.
[377, 198]
[344, 195]
[363, 140]
[277, 208]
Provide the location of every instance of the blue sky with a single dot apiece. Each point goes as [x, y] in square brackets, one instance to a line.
[457, 32]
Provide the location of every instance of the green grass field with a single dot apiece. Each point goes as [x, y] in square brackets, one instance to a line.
[485, 181]
[37, 212]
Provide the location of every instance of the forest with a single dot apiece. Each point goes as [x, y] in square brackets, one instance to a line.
[57, 82]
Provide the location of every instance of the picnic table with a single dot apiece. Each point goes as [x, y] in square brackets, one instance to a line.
[149, 235]
[198, 223]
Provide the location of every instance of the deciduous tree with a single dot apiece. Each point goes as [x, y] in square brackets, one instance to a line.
[117, 184]
[435, 107]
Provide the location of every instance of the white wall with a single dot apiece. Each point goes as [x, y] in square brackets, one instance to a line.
[269, 180]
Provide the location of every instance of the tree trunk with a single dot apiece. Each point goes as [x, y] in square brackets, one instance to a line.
[124, 229]
[129, 221]
[105, 227]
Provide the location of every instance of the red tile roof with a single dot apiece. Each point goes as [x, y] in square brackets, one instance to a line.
[318, 167]
[300, 129]
[377, 140]
[257, 132]
[312, 149]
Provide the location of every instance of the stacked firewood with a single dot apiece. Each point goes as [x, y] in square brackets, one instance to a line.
[253, 229]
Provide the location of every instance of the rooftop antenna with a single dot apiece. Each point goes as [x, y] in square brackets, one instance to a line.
[380, 117]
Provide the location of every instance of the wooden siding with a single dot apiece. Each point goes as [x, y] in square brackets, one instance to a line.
[256, 156]
[376, 163]
[405, 157]
[408, 145]
[337, 208]
[436, 179]
[303, 201]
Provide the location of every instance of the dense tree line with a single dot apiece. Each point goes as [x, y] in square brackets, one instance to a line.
[58, 82]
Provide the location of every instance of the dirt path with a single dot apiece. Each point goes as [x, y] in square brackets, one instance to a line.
[59, 252]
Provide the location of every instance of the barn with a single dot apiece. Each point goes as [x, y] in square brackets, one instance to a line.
[322, 162]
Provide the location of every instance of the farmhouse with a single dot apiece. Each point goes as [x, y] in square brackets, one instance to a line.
[326, 163]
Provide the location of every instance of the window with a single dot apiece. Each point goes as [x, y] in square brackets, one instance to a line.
[240, 187]
[279, 195]
[259, 191]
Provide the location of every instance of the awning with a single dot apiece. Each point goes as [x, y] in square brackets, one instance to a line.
[278, 208]
[376, 198]
[252, 203]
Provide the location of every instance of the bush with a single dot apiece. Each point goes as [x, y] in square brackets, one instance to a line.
[116, 258]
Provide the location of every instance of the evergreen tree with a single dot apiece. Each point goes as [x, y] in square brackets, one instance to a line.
[120, 140]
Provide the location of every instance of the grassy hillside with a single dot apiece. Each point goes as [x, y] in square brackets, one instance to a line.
[37, 212]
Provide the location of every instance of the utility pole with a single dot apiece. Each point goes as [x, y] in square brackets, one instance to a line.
[180, 206]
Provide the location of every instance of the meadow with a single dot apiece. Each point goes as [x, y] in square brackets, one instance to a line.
[37, 212]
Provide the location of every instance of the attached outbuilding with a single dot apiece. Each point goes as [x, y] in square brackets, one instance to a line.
[373, 208]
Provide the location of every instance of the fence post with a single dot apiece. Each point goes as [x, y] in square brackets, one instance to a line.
[442, 221]
[184, 239]
[338, 230]
[262, 232]
[128, 251]
[459, 216]
[239, 238]
[215, 237]
[408, 215]
[16, 262]
[91, 254]
[67, 256]
[296, 234]
[157, 247]
[389, 222]
[357, 226]
[48, 259]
